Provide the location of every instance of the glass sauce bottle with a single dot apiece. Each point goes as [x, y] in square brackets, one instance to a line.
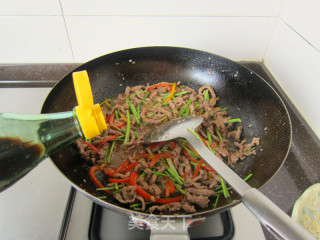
[26, 140]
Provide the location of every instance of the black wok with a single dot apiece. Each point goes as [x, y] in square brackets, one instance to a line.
[244, 93]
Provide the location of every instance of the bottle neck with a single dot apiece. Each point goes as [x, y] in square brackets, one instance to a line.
[77, 123]
[59, 130]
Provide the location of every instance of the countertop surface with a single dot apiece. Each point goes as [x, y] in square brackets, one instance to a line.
[300, 170]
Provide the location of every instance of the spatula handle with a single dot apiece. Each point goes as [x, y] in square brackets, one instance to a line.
[269, 214]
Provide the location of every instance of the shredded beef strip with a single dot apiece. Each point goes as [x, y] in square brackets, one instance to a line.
[235, 134]
[190, 180]
[171, 207]
[153, 179]
[153, 189]
[202, 192]
[143, 203]
[127, 195]
[201, 201]
[122, 176]
[143, 163]
[148, 171]
[213, 98]
[188, 208]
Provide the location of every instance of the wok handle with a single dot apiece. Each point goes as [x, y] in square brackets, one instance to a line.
[273, 218]
[177, 229]
[169, 234]
[171, 228]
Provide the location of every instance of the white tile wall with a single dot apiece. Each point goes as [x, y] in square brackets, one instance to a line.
[27, 39]
[296, 66]
[238, 38]
[35, 31]
[303, 16]
[173, 7]
[30, 7]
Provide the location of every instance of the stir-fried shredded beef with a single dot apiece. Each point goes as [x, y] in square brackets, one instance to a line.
[170, 207]
[166, 174]
[188, 208]
[202, 192]
[127, 195]
[143, 203]
[200, 200]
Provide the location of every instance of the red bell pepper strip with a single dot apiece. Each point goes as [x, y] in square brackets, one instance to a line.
[144, 155]
[111, 172]
[185, 174]
[204, 141]
[197, 169]
[199, 112]
[157, 157]
[169, 200]
[122, 166]
[196, 161]
[190, 158]
[130, 166]
[107, 118]
[160, 85]
[208, 169]
[92, 147]
[172, 145]
[132, 180]
[153, 146]
[119, 125]
[106, 140]
[114, 180]
[172, 188]
[111, 119]
[92, 174]
[169, 187]
[209, 145]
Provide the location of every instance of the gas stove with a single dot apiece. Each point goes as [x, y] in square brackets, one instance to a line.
[43, 205]
[86, 220]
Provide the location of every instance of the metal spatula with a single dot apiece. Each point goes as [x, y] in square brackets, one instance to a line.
[269, 214]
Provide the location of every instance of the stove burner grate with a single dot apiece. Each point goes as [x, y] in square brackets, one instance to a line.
[104, 224]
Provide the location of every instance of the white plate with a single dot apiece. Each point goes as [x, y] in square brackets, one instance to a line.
[306, 210]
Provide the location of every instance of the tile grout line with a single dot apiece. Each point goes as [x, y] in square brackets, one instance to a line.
[66, 27]
[140, 15]
[170, 16]
[283, 21]
[308, 42]
[273, 32]
[270, 39]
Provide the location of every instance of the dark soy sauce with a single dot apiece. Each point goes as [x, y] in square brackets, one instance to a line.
[17, 159]
[26, 140]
